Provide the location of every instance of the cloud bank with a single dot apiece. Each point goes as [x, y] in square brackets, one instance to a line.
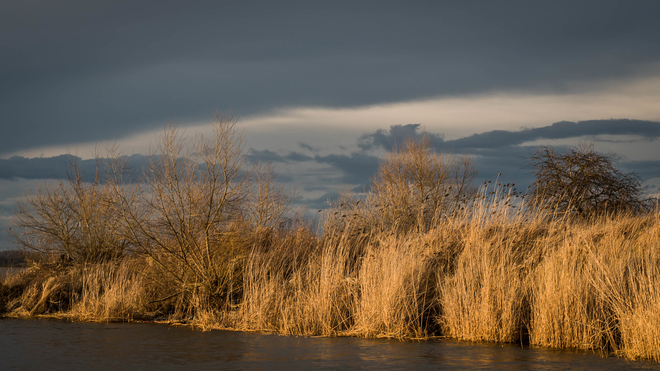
[319, 176]
[76, 72]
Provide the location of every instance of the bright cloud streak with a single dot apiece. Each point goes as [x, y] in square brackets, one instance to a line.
[454, 117]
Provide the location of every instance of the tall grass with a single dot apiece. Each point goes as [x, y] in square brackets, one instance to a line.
[397, 289]
[110, 292]
[90, 292]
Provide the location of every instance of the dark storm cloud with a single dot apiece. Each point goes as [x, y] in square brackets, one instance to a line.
[645, 169]
[297, 157]
[40, 168]
[307, 147]
[397, 134]
[75, 71]
[58, 167]
[357, 167]
[559, 130]
[267, 156]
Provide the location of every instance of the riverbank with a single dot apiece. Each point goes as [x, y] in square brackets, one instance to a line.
[586, 285]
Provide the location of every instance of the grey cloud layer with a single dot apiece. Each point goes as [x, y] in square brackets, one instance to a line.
[75, 71]
[503, 138]
[504, 151]
[39, 168]
[54, 167]
[559, 130]
[497, 151]
[356, 167]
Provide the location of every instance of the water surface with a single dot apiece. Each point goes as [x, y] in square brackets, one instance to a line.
[60, 345]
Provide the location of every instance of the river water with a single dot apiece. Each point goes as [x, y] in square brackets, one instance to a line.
[61, 345]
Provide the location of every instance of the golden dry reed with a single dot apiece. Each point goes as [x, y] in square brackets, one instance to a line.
[590, 285]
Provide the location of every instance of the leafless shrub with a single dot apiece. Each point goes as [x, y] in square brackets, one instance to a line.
[196, 207]
[71, 219]
[413, 189]
[583, 182]
[267, 201]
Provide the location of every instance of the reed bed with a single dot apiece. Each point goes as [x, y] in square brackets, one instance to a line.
[92, 292]
[591, 285]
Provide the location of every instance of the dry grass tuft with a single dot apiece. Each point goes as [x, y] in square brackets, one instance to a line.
[109, 292]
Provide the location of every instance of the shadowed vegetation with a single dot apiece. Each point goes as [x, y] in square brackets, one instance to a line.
[204, 238]
[582, 182]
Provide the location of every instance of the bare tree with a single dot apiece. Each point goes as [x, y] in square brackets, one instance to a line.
[582, 182]
[193, 212]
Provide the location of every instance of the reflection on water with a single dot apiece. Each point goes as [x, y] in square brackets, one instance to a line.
[58, 345]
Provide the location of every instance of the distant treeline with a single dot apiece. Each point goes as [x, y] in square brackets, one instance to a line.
[13, 258]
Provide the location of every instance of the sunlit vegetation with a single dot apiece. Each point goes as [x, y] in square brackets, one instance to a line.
[200, 236]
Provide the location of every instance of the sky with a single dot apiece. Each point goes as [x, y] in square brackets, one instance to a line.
[324, 89]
